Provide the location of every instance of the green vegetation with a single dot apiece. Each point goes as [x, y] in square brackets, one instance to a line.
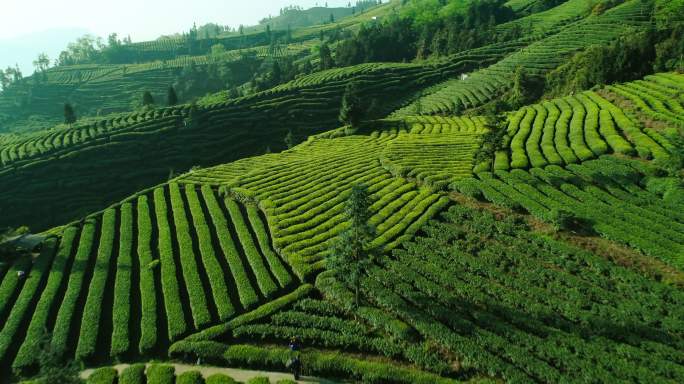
[410, 192]
[549, 51]
[95, 266]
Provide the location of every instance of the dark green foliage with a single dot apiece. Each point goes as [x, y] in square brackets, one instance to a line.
[190, 377]
[493, 140]
[289, 140]
[389, 41]
[171, 97]
[53, 369]
[561, 219]
[628, 58]
[147, 99]
[135, 374]
[526, 88]
[352, 110]
[457, 26]
[69, 114]
[326, 60]
[330, 364]
[486, 289]
[195, 80]
[259, 380]
[106, 375]
[350, 256]
[670, 50]
[220, 379]
[160, 374]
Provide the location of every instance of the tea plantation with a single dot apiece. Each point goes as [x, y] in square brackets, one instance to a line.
[485, 241]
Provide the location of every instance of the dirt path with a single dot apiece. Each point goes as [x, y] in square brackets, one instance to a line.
[238, 374]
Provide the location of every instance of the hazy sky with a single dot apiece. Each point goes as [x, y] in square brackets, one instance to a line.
[141, 19]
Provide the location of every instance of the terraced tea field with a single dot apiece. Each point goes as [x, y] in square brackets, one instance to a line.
[99, 90]
[212, 244]
[538, 58]
[587, 125]
[304, 205]
[543, 245]
[68, 170]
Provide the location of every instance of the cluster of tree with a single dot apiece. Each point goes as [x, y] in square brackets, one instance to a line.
[453, 31]
[41, 64]
[195, 80]
[392, 40]
[10, 76]
[427, 28]
[218, 75]
[629, 58]
[278, 71]
[84, 50]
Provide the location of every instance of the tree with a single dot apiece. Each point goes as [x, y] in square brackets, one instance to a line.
[525, 88]
[289, 139]
[217, 50]
[147, 99]
[171, 97]
[276, 73]
[351, 256]
[69, 114]
[42, 63]
[5, 80]
[326, 57]
[352, 109]
[332, 18]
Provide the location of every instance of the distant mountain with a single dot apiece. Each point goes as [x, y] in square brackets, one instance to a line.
[24, 49]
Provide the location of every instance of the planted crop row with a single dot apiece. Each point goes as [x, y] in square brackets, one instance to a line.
[433, 159]
[465, 301]
[92, 312]
[173, 304]
[304, 205]
[208, 256]
[30, 348]
[639, 223]
[188, 260]
[127, 263]
[21, 309]
[572, 130]
[254, 258]
[537, 57]
[657, 96]
[68, 308]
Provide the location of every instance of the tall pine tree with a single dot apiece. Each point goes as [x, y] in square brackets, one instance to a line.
[171, 97]
[352, 110]
[69, 114]
[351, 256]
[147, 100]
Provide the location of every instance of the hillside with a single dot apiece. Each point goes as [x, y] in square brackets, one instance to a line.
[114, 80]
[453, 218]
[314, 109]
[231, 238]
[163, 141]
